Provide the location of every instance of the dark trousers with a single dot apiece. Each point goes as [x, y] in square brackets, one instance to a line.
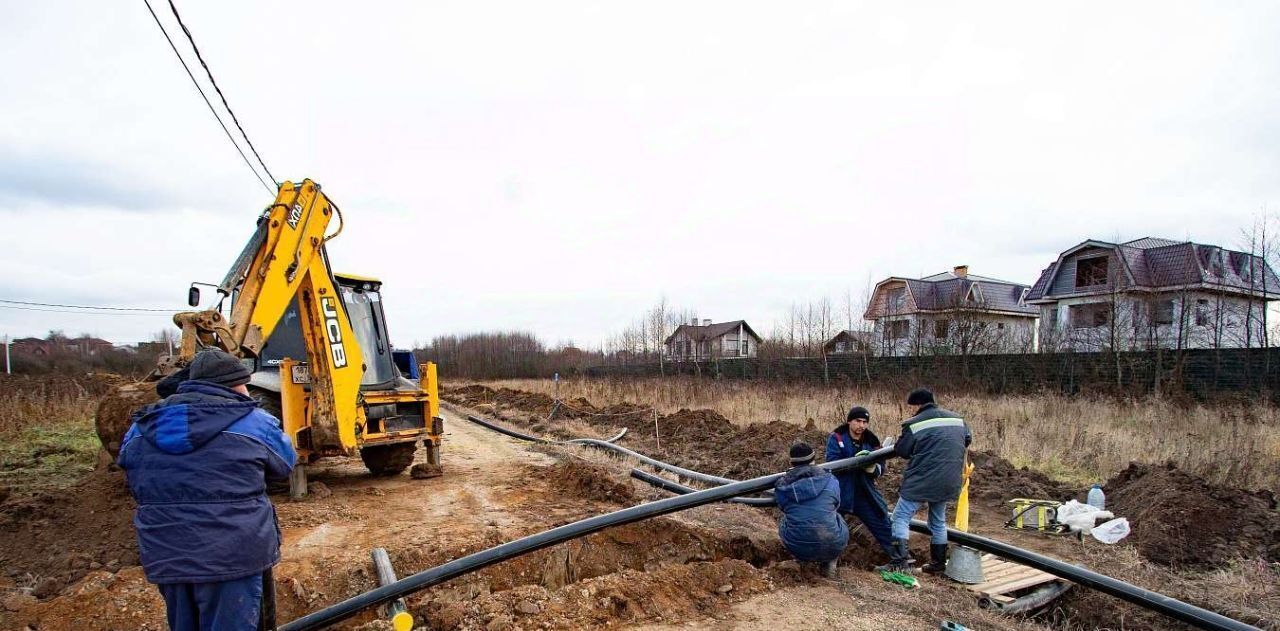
[875, 518]
[225, 606]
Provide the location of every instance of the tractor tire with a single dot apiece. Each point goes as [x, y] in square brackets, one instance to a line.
[386, 460]
[270, 402]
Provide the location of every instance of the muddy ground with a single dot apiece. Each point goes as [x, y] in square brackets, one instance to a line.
[68, 559]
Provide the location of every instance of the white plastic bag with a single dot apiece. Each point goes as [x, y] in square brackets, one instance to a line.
[1081, 516]
[1112, 531]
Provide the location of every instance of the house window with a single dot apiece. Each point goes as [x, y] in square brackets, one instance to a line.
[1089, 316]
[1162, 314]
[744, 347]
[1053, 317]
[941, 328]
[1202, 312]
[897, 330]
[1091, 272]
[842, 346]
[897, 300]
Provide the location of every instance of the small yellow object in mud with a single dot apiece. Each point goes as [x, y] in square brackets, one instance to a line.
[402, 621]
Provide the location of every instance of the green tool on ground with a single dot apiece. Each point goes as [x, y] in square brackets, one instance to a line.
[900, 578]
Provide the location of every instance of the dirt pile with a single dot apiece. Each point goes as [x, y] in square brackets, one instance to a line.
[996, 479]
[592, 481]
[52, 539]
[670, 593]
[115, 413]
[1179, 519]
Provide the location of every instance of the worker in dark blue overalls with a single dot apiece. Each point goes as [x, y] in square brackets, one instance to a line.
[858, 493]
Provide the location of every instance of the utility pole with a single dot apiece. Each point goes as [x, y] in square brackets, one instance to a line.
[8, 370]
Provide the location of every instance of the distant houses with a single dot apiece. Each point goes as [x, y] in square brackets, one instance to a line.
[1153, 293]
[721, 340]
[952, 312]
[1148, 293]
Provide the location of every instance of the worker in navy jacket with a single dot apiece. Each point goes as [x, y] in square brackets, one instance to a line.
[810, 528]
[858, 493]
[934, 443]
[197, 464]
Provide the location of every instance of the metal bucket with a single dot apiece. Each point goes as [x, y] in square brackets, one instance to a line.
[965, 566]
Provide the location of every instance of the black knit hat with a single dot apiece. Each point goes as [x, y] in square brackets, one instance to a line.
[215, 366]
[801, 453]
[858, 411]
[920, 396]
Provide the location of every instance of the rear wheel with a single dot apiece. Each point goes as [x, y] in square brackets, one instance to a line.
[270, 402]
[388, 459]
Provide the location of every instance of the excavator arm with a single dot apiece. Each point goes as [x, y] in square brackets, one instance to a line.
[285, 258]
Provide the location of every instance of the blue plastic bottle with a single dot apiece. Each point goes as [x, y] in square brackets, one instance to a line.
[1097, 498]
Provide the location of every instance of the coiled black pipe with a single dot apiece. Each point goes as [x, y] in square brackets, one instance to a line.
[524, 545]
[534, 439]
[657, 464]
[1171, 607]
[645, 476]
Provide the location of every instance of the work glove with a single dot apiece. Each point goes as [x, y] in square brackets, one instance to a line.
[871, 468]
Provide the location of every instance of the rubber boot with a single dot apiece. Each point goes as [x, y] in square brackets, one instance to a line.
[937, 559]
[898, 558]
[829, 569]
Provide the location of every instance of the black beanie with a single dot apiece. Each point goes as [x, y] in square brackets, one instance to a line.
[215, 366]
[920, 396]
[801, 453]
[857, 411]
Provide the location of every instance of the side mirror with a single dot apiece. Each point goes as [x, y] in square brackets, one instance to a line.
[193, 296]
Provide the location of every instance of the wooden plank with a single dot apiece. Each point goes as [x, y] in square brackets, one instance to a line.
[1014, 586]
[990, 575]
[994, 585]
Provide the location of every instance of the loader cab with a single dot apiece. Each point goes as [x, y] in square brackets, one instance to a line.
[362, 298]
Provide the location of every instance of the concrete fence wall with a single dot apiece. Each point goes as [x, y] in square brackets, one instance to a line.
[1199, 374]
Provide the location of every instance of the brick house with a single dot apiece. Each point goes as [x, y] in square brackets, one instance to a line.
[1153, 293]
[723, 340]
[951, 313]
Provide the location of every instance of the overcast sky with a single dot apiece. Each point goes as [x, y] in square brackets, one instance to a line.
[558, 167]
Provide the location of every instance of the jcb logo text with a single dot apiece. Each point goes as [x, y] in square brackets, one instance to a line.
[329, 307]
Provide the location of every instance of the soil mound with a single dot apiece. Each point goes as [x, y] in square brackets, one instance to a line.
[995, 478]
[1179, 519]
[592, 481]
[115, 413]
[55, 538]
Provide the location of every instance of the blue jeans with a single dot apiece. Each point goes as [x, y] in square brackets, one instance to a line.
[224, 606]
[905, 509]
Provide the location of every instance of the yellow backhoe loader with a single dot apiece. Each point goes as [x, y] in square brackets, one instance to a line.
[318, 345]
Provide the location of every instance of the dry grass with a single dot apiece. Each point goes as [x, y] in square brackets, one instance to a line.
[47, 438]
[1078, 439]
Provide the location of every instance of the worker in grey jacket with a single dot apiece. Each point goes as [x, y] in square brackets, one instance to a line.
[934, 443]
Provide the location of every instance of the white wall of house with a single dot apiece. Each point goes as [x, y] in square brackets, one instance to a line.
[730, 345]
[1142, 320]
[930, 333]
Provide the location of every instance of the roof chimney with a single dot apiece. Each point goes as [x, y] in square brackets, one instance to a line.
[706, 322]
[961, 271]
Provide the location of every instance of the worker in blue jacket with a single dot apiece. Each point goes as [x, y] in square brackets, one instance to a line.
[810, 528]
[197, 464]
[858, 493]
[934, 442]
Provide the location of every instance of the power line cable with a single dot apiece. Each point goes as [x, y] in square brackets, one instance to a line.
[48, 304]
[110, 313]
[222, 96]
[206, 100]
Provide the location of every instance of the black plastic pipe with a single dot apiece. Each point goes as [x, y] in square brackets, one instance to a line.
[484, 558]
[663, 483]
[1168, 606]
[657, 464]
[1171, 607]
[534, 439]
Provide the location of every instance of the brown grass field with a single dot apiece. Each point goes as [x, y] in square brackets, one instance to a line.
[1079, 439]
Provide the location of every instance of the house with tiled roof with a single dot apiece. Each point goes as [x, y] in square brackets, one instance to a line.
[952, 312]
[708, 340]
[1153, 293]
